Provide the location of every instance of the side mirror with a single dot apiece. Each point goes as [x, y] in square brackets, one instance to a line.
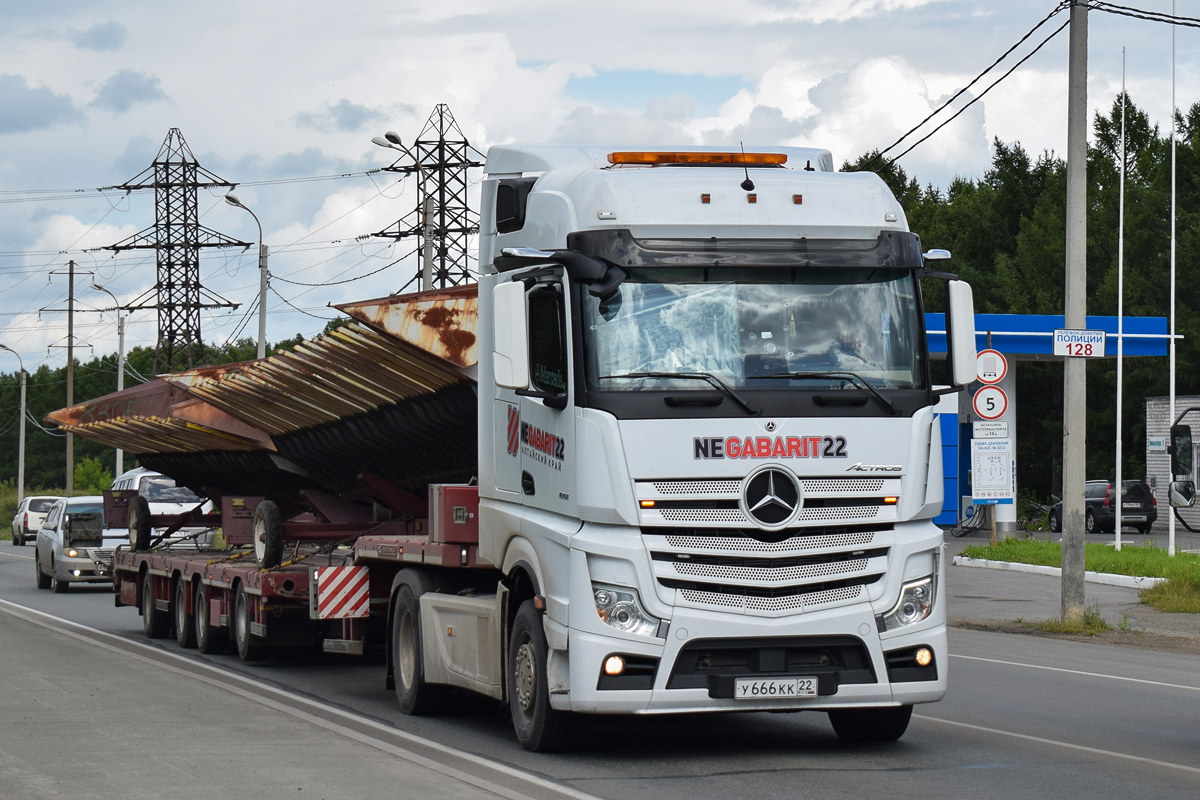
[960, 334]
[510, 358]
[1182, 494]
[1181, 450]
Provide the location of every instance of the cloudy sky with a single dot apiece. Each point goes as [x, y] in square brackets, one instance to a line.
[270, 91]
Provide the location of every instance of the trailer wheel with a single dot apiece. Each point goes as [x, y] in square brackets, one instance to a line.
[209, 640]
[268, 535]
[185, 624]
[43, 580]
[157, 624]
[414, 695]
[539, 727]
[139, 523]
[249, 647]
[870, 724]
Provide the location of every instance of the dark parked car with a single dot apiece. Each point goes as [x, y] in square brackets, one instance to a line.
[1139, 507]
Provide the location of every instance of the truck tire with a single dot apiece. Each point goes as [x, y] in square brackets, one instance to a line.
[43, 580]
[185, 623]
[539, 728]
[870, 724]
[157, 624]
[139, 523]
[209, 640]
[268, 535]
[415, 697]
[249, 647]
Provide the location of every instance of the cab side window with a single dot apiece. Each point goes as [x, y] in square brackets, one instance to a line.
[547, 340]
[52, 517]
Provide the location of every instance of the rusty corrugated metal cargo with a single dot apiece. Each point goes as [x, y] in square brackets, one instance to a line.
[441, 322]
[156, 416]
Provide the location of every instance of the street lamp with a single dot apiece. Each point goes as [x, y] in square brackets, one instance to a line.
[391, 140]
[21, 437]
[120, 362]
[232, 199]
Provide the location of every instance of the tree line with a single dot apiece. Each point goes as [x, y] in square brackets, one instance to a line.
[1007, 233]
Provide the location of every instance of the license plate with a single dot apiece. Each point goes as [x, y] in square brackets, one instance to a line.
[1133, 518]
[1131, 505]
[774, 688]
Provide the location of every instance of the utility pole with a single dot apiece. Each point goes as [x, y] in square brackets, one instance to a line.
[439, 158]
[21, 435]
[176, 237]
[1075, 369]
[70, 371]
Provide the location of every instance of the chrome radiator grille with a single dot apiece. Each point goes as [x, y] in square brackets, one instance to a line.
[737, 569]
[715, 502]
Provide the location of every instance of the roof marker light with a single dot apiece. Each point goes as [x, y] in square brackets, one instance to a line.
[658, 157]
[705, 198]
[797, 199]
[752, 198]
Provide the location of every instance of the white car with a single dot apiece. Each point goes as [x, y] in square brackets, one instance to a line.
[73, 546]
[29, 517]
[166, 499]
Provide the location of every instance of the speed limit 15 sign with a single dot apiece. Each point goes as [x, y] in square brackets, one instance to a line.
[990, 402]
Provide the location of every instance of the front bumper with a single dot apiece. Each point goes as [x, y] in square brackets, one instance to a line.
[588, 651]
[91, 570]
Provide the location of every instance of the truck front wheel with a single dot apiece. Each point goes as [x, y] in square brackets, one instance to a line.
[539, 727]
[870, 724]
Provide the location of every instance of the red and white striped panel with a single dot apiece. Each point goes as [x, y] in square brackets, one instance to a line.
[343, 592]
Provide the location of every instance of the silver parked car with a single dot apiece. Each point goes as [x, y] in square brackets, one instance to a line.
[29, 517]
[73, 546]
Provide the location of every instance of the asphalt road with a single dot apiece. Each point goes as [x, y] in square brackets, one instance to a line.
[1025, 717]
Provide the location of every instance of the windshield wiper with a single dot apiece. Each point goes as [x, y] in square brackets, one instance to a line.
[712, 380]
[853, 377]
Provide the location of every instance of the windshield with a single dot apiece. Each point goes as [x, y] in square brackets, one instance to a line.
[754, 327]
[161, 489]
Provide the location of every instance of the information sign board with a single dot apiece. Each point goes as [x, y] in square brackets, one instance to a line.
[992, 472]
[1077, 343]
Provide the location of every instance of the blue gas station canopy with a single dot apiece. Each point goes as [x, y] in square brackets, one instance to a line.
[1029, 337]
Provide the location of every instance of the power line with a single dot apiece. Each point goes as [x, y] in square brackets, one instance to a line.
[879, 155]
[981, 95]
[297, 308]
[348, 280]
[1150, 16]
[76, 194]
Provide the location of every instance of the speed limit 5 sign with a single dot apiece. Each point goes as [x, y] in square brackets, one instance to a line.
[990, 402]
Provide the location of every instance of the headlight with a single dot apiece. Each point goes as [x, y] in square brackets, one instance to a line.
[914, 605]
[622, 609]
[72, 553]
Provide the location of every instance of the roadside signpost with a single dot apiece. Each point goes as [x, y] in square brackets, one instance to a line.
[1078, 344]
[990, 403]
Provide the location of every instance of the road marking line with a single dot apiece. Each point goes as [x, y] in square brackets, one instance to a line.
[221, 679]
[1079, 672]
[1069, 746]
[16, 555]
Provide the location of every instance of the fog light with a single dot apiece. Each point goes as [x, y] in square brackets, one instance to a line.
[924, 657]
[614, 665]
[75, 573]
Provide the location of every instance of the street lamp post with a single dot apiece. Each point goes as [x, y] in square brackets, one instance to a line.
[21, 435]
[232, 199]
[391, 140]
[120, 362]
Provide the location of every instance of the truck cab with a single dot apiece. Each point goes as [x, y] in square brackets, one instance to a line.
[707, 450]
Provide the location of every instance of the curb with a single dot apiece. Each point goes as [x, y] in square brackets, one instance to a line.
[1106, 578]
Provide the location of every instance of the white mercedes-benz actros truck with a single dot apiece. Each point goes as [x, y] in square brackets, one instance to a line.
[708, 457]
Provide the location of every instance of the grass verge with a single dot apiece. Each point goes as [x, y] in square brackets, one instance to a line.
[1093, 624]
[1180, 592]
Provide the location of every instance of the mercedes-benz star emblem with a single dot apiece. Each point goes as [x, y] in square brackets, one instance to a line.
[771, 497]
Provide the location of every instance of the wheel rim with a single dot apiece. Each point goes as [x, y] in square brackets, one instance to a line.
[147, 598]
[180, 608]
[242, 623]
[201, 614]
[526, 676]
[408, 649]
[260, 539]
[1091, 523]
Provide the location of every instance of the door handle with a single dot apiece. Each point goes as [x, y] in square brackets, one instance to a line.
[527, 483]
